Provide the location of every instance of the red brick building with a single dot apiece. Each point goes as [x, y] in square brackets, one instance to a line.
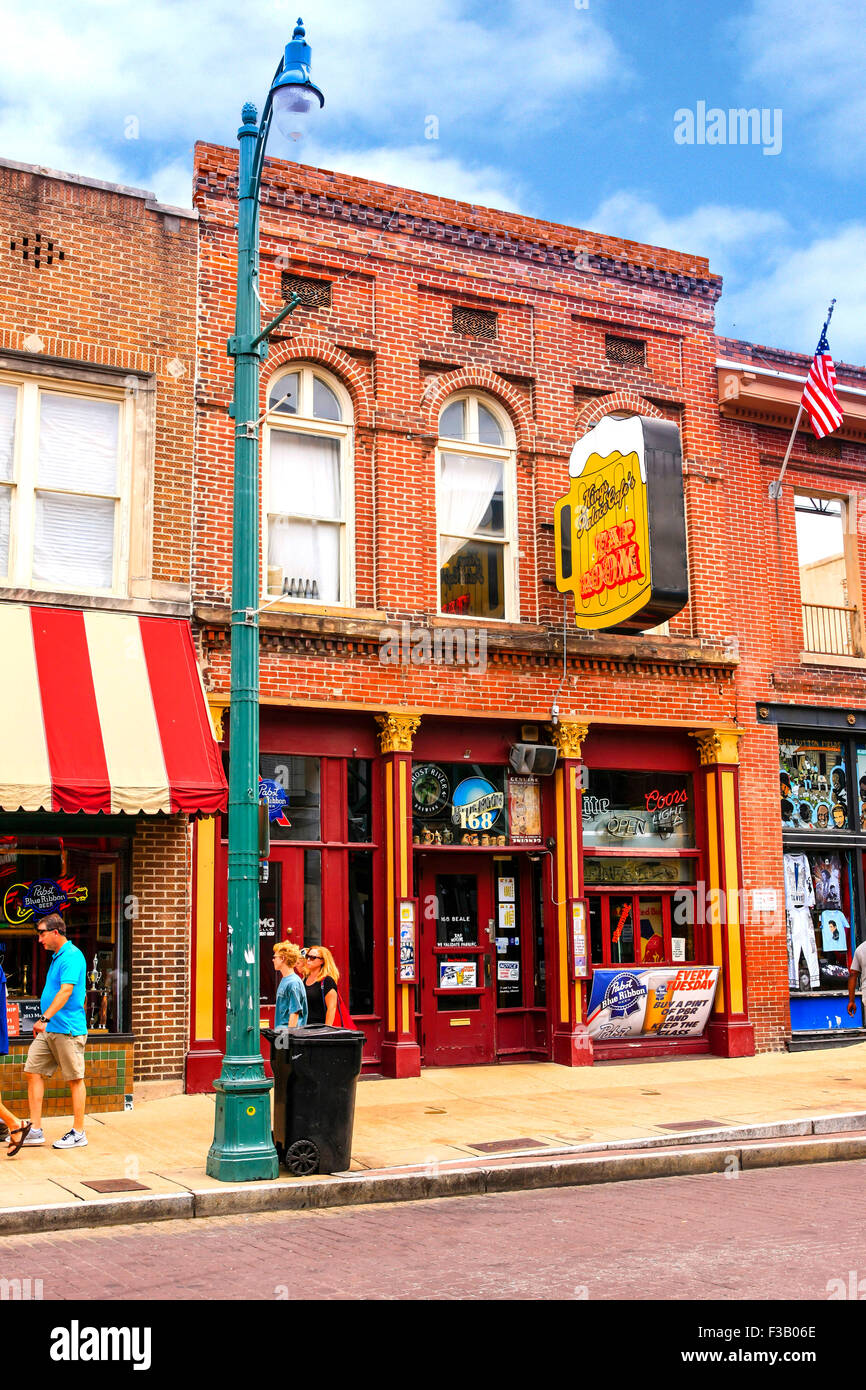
[420, 408]
[105, 742]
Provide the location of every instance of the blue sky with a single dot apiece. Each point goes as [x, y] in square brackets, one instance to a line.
[559, 109]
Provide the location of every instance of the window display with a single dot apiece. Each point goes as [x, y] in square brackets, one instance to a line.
[464, 804]
[84, 879]
[820, 918]
[813, 784]
[638, 810]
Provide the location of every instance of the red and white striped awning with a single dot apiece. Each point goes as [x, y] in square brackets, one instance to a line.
[103, 712]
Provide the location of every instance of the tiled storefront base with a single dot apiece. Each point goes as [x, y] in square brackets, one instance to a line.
[108, 1077]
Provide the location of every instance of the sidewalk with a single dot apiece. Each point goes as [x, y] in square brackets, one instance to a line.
[451, 1120]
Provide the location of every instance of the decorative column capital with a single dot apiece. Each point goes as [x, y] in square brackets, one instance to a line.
[568, 736]
[717, 745]
[397, 731]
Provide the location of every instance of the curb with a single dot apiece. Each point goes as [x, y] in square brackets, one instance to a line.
[691, 1156]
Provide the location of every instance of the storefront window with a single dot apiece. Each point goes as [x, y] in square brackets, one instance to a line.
[820, 913]
[461, 804]
[813, 784]
[290, 785]
[312, 897]
[86, 880]
[358, 773]
[624, 810]
[861, 786]
[360, 932]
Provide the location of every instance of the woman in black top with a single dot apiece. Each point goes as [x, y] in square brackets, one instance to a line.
[320, 982]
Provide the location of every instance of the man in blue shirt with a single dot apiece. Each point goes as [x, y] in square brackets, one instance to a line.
[60, 1033]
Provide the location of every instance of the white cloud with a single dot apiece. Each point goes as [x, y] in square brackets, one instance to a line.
[775, 291]
[810, 58]
[785, 304]
[422, 167]
[183, 69]
[714, 230]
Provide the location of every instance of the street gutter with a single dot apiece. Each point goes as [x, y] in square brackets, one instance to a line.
[821, 1139]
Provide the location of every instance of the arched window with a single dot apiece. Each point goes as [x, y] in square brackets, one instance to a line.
[308, 488]
[476, 508]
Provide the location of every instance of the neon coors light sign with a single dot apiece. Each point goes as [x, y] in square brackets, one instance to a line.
[620, 530]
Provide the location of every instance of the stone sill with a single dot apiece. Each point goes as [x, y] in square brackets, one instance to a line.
[529, 638]
[856, 663]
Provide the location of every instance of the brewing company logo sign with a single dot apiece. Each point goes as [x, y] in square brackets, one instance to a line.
[277, 799]
[477, 804]
[624, 995]
[430, 789]
[25, 901]
[620, 530]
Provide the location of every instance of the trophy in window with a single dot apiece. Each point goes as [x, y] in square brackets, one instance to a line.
[97, 998]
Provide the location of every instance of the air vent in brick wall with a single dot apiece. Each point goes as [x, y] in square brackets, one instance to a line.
[625, 352]
[313, 294]
[473, 323]
[36, 249]
[824, 448]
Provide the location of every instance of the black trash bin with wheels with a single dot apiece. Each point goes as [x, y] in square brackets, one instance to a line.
[315, 1071]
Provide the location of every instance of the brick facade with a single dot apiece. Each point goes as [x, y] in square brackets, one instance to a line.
[98, 284]
[398, 261]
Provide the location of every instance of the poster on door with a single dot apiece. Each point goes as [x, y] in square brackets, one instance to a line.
[458, 974]
[667, 1002]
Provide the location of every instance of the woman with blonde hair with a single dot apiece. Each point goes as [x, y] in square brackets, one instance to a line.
[291, 1010]
[320, 984]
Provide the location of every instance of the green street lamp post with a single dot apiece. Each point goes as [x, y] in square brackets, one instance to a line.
[242, 1148]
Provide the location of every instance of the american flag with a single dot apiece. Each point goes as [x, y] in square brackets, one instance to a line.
[820, 400]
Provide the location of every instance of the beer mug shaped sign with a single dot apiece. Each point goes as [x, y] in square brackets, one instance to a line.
[621, 531]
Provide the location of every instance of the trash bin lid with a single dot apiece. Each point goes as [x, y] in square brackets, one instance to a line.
[322, 1035]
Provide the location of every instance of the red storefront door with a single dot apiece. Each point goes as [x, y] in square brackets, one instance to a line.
[457, 962]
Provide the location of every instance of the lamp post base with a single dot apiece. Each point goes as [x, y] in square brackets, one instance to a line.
[243, 1148]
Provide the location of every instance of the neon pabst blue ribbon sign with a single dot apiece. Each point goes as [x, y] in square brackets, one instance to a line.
[277, 799]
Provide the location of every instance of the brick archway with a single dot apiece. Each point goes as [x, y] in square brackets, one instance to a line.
[439, 388]
[593, 411]
[310, 349]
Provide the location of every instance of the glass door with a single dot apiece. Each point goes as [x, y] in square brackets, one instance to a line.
[458, 998]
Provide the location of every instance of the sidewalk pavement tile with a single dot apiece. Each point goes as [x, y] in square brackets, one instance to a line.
[441, 1115]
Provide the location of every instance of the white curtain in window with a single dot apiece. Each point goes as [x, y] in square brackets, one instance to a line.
[307, 551]
[5, 504]
[78, 441]
[304, 475]
[8, 405]
[468, 484]
[74, 542]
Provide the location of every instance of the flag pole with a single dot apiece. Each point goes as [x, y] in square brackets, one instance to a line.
[775, 489]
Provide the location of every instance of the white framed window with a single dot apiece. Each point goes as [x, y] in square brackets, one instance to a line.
[65, 452]
[308, 489]
[476, 509]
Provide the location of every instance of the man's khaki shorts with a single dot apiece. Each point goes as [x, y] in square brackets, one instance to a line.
[48, 1051]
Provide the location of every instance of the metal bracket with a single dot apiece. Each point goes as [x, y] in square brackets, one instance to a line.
[248, 430]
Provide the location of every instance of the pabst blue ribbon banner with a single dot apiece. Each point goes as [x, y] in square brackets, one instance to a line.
[669, 1001]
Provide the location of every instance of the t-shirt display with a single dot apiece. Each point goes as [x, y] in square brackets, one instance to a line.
[834, 930]
[818, 914]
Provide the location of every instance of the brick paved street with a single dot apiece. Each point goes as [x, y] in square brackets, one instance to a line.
[765, 1234]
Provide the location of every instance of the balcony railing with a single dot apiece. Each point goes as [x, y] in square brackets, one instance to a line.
[829, 631]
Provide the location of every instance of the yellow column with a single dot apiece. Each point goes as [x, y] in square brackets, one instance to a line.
[401, 1054]
[730, 1032]
[571, 1046]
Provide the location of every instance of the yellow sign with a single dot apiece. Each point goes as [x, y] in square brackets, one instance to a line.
[620, 530]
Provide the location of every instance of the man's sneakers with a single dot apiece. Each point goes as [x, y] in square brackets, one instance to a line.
[36, 1136]
[72, 1139]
